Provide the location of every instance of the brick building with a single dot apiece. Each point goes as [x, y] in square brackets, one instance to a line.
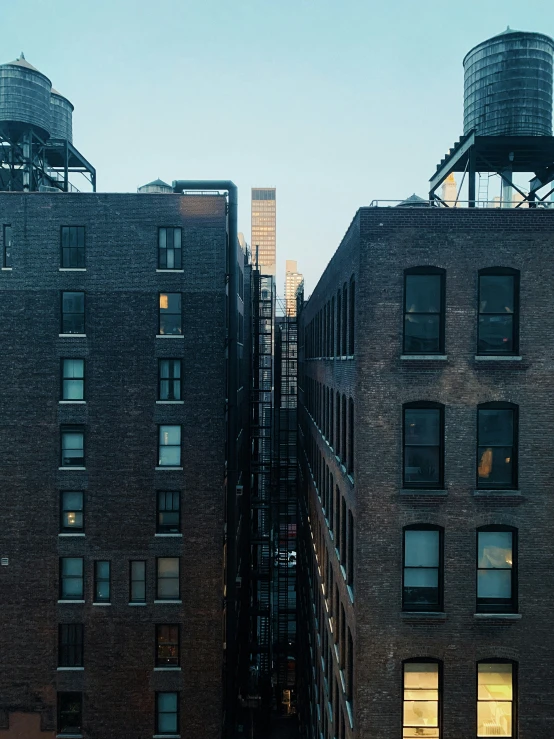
[114, 367]
[425, 403]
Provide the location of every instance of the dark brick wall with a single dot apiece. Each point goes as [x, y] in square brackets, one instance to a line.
[120, 481]
[461, 242]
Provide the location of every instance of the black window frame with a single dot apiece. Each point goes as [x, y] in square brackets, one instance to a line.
[498, 605]
[513, 484]
[165, 528]
[63, 578]
[170, 379]
[437, 607]
[424, 405]
[440, 688]
[73, 252]
[164, 662]
[83, 331]
[71, 645]
[167, 313]
[158, 731]
[71, 730]
[133, 580]
[178, 251]
[499, 661]
[422, 272]
[98, 579]
[63, 377]
[158, 579]
[7, 243]
[72, 428]
[500, 272]
[71, 529]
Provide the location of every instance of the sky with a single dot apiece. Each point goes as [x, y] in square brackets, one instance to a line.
[334, 103]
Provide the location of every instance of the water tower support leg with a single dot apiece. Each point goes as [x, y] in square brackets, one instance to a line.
[471, 180]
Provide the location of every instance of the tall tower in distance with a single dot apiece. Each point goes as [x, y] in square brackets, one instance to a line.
[293, 279]
[449, 190]
[264, 229]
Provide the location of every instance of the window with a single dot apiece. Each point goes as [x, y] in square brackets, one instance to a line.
[496, 698]
[73, 247]
[73, 379]
[497, 446]
[73, 446]
[102, 578]
[423, 445]
[424, 310]
[168, 521]
[351, 316]
[169, 371]
[71, 578]
[167, 713]
[421, 715]
[169, 446]
[170, 314]
[168, 586]
[350, 455]
[72, 511]
[137, 592]
[350, 559]
[7, 247]
[70, 713]
[344, 320]
[167, 645]
[70, 645]
[169, 248]
[73, 313]
[496, 570]
[423, 569]
[339, 323]
[498, 311]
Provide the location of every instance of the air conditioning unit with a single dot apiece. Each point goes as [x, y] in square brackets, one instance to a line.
[238, 582]
[240, 489]
[47, 188]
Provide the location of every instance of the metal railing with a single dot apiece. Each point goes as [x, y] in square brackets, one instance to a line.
[494, 203]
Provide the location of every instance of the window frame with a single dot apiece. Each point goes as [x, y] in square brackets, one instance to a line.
[426, 271]
[159, 494]
[96, 598]
[71, 529]
[178, 578]
[7, 256]
[170, 379]
[502, 605]
[440, 689]
[424, 405]
[424, 607]
[62, 313]
[63, 578]
[132, 580]
[160, 314]
[72, 730]
[81, 250]
[500, 272]
[171, 446]
[77, 644]
[514, 701]
[504, 406]
[157, 661]
[72, 428]
[179, 249]
[158, 731]
[63, 377]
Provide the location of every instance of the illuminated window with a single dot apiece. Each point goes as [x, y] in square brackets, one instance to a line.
[73, 247]
[169, 385]
[169, 248]
[169, 448]
[102, 581]
[7, 247]
[424, 310]
[421, 714]
[73, 379]
[496, 569]
[167, 713]
[70, 714]
[498, 311]
[72, 511]
[423, 571]
[497, 445]
[137, 590]
[168, 585]
[167, 645]
[168, 512]
[423, 445]
[72, 580]
[496, 699]
[73, 446]
[73, 313]
[170, 314]
[70, 645]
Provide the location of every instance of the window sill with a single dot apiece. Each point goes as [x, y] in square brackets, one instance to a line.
[71, 534]
[70, 601]
[72, 269]
[72, 336]
[169, 468]
[137, 604]
[167, 669]
[169, 602]
[178, 271]
[69, 736]
[166, 736]
[170, 336]
[497, 616]
[424, 357]
[70, 669]
[170, 402]
[498, 357]
[420, 492]
[72, 468]
[423, 616]
[72, 402]
[166, 535]
[497, 494]
[7, 269]
[101, 604]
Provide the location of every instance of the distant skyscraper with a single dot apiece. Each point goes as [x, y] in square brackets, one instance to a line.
[293, 278]
[264, 229]
[449, 190]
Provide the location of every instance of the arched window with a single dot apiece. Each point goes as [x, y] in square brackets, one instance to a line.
[424, 309]
[423, 445]
[351, 317]
[497, 569]
[497, 434]
[498, 329]
[422, 678]
[496, 698]
[423, 571]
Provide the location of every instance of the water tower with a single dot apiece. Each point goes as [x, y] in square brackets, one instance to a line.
[507, 119]
[36, 133]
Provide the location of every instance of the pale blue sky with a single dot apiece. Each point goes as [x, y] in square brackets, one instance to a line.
[334, 103]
